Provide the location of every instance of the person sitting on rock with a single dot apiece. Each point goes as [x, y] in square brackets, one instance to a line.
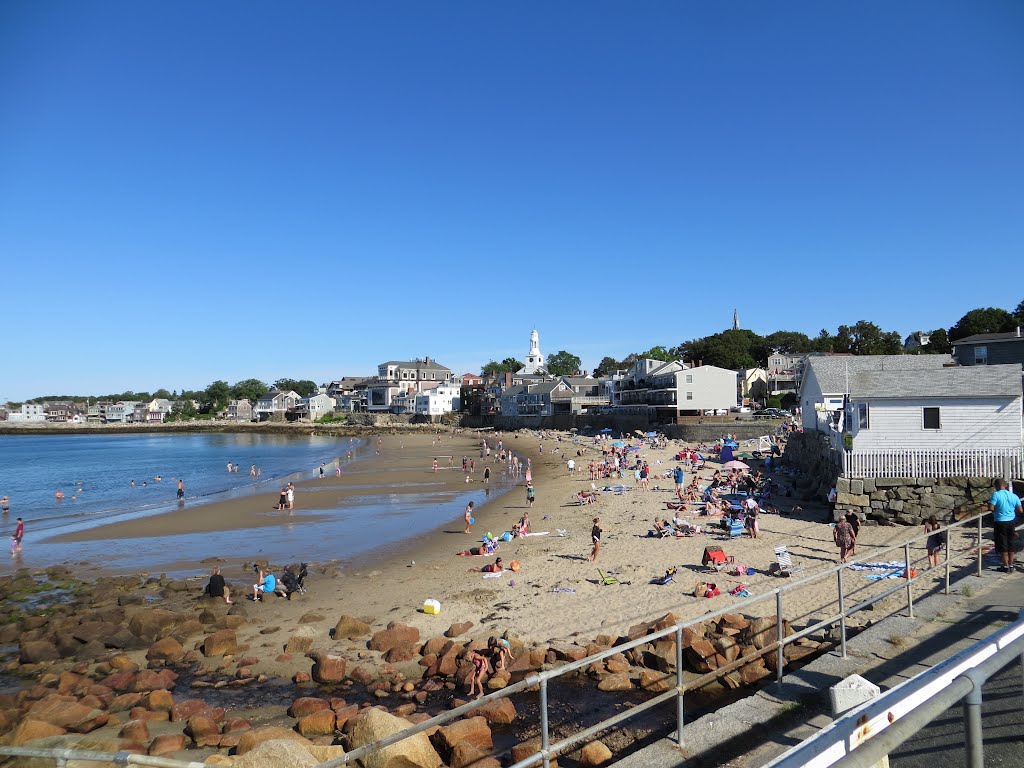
[500, 650]
[217, 586]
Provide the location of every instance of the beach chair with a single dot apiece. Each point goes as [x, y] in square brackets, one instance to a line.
[735, 528]
[716, 561]
[785, 565]
[606, 580]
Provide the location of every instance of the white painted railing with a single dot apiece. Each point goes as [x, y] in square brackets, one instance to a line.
[995, 462]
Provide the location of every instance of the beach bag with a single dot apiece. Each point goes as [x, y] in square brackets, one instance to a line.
[700, 590]
[506, 536]
[913, 573]
[712, 591]
[741, 570]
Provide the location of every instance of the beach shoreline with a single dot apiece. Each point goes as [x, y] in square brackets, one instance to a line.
[556, 594]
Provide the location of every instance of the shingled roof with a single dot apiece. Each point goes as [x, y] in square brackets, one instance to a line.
[833, 373]
[970, 381]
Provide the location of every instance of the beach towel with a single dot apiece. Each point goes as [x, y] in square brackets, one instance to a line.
[538, 533]
[496, 575]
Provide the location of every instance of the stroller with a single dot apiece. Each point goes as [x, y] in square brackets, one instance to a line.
[293, 582]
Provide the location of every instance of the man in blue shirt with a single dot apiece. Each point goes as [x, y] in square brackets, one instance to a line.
[267, 585]
[1004, 506]
[679, 477]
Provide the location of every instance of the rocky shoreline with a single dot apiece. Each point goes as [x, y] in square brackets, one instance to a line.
[147, 665]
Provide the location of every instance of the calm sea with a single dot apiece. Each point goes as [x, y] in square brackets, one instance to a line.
[95, 472]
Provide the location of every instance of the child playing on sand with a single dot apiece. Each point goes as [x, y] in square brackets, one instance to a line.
[469, 516]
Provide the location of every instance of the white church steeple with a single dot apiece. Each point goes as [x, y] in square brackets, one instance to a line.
[535, 360]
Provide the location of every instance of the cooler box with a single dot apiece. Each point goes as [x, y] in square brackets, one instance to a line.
[433, 607]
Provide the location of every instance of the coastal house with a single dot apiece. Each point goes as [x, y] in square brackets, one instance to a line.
[990, 348]
[97, 412]
[583, 395]
[751, 384]
[352, 402]
[314, 407]
[347, 385]
[274, 405]
[438, 401]
[945, 409]
[121, 412]
[826, 382]
[782, 375]
[404, 401]
[61, 413]
[153, 412]
[531, 399]
[28, 412]
[673, 389]
[916, 340]
[239, 410]
[396, 378]
[472, 380]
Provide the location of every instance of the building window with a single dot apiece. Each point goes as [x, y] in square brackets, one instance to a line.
[980, 356]
[689, 378]
[689, 395]
[863, 421]
[931, 418]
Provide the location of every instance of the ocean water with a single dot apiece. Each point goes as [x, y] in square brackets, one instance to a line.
[95, 472]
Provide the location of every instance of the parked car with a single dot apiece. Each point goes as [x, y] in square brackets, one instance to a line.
[771, 413]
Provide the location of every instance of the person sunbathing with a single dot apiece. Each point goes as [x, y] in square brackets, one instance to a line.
[659, 527]
[496, 567]
[485, 549]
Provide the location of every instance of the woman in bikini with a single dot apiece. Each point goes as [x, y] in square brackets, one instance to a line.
[595, 535]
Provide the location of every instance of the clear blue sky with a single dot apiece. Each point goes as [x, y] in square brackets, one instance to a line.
[193, 190]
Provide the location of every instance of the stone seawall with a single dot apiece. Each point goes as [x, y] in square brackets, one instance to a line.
[910, 500]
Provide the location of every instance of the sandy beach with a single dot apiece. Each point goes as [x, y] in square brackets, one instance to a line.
[557, 594]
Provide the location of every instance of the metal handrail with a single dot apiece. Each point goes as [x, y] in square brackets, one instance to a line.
[864, 735]
[541, 679]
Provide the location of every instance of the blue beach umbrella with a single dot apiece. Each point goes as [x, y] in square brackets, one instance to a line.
[618, 444]
[607, 429]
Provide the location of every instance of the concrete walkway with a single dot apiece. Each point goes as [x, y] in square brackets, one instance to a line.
[757, 729]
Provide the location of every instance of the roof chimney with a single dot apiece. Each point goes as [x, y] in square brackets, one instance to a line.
[427, 360]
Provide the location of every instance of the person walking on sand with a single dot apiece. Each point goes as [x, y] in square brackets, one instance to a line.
[935, 542]
[530, 494]
[487, 475]
[469, 516]
[844, 538]
[322, 470]
[291, 496]
[181, 490]
[435, 466]
[595, 535]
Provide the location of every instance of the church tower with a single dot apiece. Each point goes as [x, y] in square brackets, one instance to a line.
[735, 319]
[535, 360]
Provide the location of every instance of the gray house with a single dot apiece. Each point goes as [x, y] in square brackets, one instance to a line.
[990, 348]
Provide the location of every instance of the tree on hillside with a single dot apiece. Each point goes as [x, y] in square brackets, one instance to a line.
[508, 365]
[302, 387]
[563, 363]
[732, 349]
[987, 320]
[217, 395]
[162, 394]
[823, 341]
[249, 389]
[788, 342]
[658, 353]
[607, 366]
[866, 338]
[938, 344]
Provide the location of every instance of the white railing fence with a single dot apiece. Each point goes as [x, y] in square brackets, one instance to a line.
[994, 462]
